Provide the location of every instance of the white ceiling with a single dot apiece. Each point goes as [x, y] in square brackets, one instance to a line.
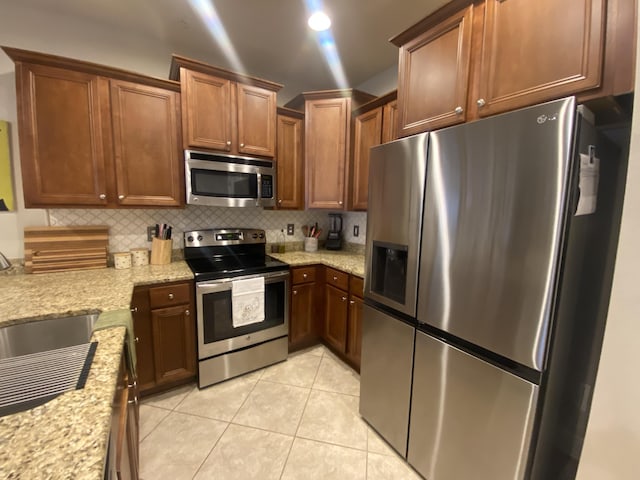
[271, 37]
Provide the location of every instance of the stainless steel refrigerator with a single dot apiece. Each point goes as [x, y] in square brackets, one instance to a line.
[486, 292]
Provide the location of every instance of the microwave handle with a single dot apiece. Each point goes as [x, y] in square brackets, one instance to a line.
[259, 199]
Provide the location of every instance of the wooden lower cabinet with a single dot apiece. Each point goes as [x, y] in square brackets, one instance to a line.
[335, 330]
[124, 456]
[354, 330]
[164, 324]
[303, 331]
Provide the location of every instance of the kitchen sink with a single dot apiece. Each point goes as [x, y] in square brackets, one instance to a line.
[42, 359]
[42, 335]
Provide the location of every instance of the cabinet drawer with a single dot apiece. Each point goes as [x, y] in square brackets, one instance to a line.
[303, 275]
[337, 278]
[170, 295]
[356, 286]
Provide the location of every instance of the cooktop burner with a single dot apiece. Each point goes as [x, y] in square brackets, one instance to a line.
[213, 254]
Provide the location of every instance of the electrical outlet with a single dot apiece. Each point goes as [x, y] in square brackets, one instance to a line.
[356, 230]
[151, 231]
[289, 228]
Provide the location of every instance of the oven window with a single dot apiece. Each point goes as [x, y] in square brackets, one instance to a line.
[218, 323]
[216, 183]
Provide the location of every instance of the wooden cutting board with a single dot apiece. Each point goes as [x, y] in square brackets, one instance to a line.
[57, 249]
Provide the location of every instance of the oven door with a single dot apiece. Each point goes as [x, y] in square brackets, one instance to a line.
[216, 333]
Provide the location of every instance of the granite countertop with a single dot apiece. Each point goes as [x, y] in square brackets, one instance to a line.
[68, 436]
[346, 261]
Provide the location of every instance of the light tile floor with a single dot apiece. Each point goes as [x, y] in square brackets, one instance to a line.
[294, 420]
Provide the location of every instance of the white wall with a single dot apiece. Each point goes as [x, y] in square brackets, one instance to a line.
[612, 444]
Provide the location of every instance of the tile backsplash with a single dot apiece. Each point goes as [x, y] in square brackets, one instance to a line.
[128, 227]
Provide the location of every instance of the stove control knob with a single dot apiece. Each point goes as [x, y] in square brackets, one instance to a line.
[262, 235]
[199, 238]
[189, 238]
[255, 235]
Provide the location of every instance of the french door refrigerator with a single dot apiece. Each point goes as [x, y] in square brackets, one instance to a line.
[514, 270]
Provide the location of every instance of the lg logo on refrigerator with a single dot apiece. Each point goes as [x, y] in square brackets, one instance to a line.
[543, 118]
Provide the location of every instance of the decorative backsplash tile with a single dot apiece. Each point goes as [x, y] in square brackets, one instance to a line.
[128, 227]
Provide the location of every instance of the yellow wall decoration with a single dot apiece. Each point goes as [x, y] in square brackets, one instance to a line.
[6, 185]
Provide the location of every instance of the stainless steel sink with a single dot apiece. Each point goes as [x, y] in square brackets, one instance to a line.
[42, 359]
[42, 335]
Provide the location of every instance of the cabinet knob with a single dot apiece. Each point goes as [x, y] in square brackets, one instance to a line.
[228, 142]
[137, 339]
[481, 102]
[304, 275]
[120, 197]
[171, 296]
[458, 110]
[351, 302]
[242, 145]
[134, 310]
[335, 278]
[295, 292]
[102, 196]
[132, 385]
[340, 202]
[344, 299]
[280, 202]
[135, 400]
[187, 313]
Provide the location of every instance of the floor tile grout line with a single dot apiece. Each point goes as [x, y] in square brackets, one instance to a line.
[210, 451]
[247, 397]
[327, 442]
[140, 440]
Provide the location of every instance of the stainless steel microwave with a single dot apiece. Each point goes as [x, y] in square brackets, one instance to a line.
[229, 180]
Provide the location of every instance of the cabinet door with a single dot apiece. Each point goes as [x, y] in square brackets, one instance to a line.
[336, 318]
[390, 122]
[146, 143]
[206, 111]
[303, 309]
[354, 330]
[537, 51]
[326, 127]
[173, 343]
[61, 120]
[290, 165]
[367, 133]
[256, 121]
[434, 76]
[145, 368]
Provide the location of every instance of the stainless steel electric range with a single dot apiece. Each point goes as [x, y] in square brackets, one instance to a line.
[234, 276]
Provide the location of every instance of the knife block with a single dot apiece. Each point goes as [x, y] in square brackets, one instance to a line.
[161, 251]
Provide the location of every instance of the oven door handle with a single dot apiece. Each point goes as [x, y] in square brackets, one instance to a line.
[225, 283]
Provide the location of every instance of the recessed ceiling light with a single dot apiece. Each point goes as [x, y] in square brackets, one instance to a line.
[319, 21]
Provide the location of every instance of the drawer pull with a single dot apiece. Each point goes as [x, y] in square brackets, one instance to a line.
[295, 292]
[304, 275]
[187, 313]
[335, 279]
[171, 296]
[352, 302]
[134, 310]
[344, 299]
[135, 400]
[137, 340]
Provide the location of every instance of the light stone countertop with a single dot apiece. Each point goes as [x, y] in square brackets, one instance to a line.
[67, 437]
[342, 260]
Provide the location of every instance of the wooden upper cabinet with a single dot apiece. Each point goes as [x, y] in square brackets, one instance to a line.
[537, 51]
[147, 145]
[367, 133]
[206, 111]
[326, 147]
[226, 111]
[433, 78]
[390, 121]
[256, 121]
[61, 123]
[290, 160]
[96, 136]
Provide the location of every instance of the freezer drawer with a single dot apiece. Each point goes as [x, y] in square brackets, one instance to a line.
[385, 375]
[469, 419]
